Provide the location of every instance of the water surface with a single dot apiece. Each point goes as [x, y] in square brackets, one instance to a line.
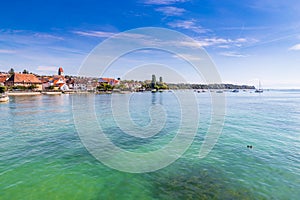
[41, 156]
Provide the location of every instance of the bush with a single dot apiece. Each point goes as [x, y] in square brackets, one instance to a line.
[32, 87]
[105, 87]
[50, 87]
[21, 87]
[2, 89]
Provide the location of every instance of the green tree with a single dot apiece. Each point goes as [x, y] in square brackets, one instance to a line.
[2, 89]
[160, 79]
[153, 81]
[25, 71]
[32, 87]
[121, 87]
[105, 87]
[11, 71]
[163, 87]
[51, 87]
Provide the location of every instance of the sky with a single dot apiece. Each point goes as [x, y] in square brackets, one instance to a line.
[247, 41]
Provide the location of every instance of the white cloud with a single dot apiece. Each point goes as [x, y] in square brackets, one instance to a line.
[188, 56]
[7, 51]
[233, 54]
[226, 43]
[224, 46]
[171, 10]
[192, 44]
[188, 25]
[100, 34]
[221, 43]
[143, 39]
[135, 36]
[164, 2]
[11, 31]
[47, 68]
[241, 40]
[214, 41]
[48, 36]
[295, 47]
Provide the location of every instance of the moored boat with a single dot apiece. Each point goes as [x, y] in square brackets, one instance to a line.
[259, 90]
[4, 97]
[52, 93]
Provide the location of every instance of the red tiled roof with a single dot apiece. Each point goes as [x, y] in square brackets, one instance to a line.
[44, 79]
[3, 78]
[58, 77]
[24, 78]
[110, 80]
[60, 69]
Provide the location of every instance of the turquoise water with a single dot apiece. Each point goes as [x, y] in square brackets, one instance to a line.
[41, 156]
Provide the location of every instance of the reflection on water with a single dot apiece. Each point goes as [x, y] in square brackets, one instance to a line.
[157, 98]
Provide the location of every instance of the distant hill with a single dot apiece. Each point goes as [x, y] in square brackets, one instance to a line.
[209, 86]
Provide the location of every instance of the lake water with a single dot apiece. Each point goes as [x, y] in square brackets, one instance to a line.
[42, 157]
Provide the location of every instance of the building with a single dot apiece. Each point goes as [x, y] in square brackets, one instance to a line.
[110, 81]
[25, 80]
[160, 79]
[58, 80]
[45, 81]
[55, 82]
[60, 71]
[3, 79]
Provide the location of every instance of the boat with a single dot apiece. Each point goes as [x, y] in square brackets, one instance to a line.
[52, 93]
[154, 90]
[259, 90]
[4, 97]
[235, 91]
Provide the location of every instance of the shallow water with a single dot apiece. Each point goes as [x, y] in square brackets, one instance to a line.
[42, 157]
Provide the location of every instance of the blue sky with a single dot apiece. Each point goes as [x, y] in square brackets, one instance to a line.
[247, 40]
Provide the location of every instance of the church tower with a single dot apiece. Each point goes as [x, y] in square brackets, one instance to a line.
[60, 71]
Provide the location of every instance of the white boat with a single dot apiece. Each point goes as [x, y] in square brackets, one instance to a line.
[52, 93]
[4, 97]
[259, 90]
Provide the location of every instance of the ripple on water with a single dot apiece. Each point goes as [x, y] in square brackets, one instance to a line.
[41, 154]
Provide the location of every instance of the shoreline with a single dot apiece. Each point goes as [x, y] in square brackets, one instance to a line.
[23, 93]
[36, 93]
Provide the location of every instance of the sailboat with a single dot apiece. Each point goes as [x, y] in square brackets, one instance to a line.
[259, 90]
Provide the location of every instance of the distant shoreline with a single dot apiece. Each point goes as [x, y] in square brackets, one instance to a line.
[34, 93]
